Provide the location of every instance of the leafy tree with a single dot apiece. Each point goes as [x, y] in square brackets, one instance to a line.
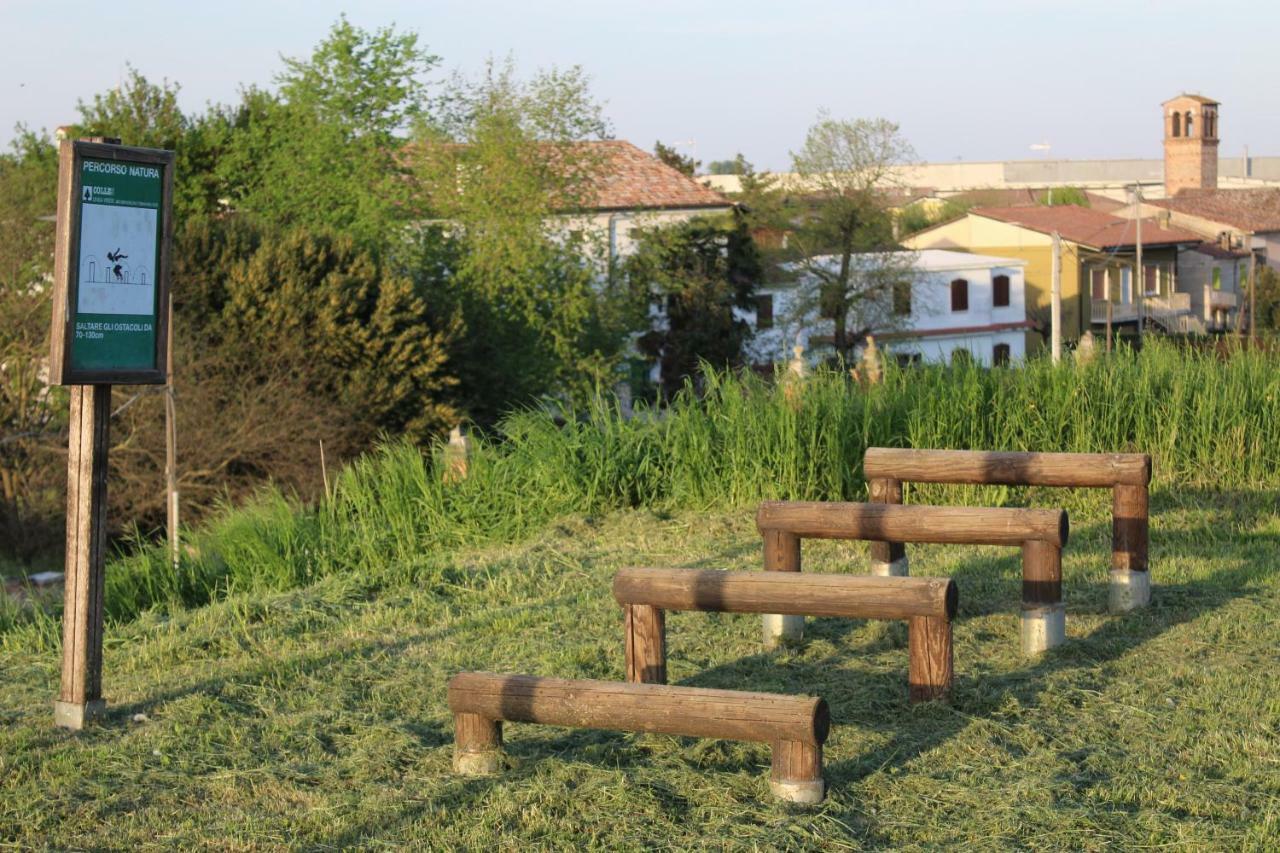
[1267, 297]
[30, 414]
[695, 274]
[1064, 195]
[140, 112]
[737, 166]
[504, 172]
[841, 239]
[28, 184]
[684, 164]
[325, 153]
[917, 217]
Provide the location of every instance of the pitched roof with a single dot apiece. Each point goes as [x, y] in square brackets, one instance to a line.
[1199, 99]
[1085, 226]
[631, 179]
[608, 175]
[1214, 250]
[1246, 209]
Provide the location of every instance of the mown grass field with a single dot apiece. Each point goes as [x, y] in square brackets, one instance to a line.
[314, 717]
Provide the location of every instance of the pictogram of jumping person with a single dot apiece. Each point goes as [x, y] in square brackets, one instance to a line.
[116, 257]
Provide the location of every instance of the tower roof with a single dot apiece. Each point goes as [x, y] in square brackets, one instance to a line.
[1199, 99]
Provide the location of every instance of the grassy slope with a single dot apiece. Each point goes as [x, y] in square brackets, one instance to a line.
[316, 717]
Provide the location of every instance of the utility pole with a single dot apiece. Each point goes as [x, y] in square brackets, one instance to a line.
[1253, 292]
[1108, 312]
[1140, 280]
[1055, 305]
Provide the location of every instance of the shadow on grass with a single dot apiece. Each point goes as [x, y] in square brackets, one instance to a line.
[914, 731]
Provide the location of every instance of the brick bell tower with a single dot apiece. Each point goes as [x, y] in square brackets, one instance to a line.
[1190, 143]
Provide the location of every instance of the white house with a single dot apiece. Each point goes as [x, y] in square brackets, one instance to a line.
[950, 302]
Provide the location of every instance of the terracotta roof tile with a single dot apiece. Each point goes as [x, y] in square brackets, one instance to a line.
[1088, 227]
[632, 179]
[1256, 210]
[620, 177]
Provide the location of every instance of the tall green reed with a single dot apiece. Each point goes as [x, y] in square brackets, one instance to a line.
[1208, 421]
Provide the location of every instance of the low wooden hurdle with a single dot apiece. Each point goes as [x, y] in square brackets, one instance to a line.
[1128, 475]
[1040, 533]
[928, 605]
[795, 726]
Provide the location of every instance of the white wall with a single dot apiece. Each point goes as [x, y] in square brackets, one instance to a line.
[930, 311]
[618, 233]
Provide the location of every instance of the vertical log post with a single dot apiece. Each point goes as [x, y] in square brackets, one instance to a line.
[795, 774]
[646, 644]
[80, 699]
[931, 673]
[781, 554]
[1044, 618]
[888, 559]
[1130, 581]
[477, 745]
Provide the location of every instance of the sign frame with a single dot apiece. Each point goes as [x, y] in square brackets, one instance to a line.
[66, 278]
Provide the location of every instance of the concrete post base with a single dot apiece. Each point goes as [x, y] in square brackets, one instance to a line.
[897, 569]
[75, 716]
[782, 630]
[1129, 590]
[485, 763]
[806, 793]
[1043, 628]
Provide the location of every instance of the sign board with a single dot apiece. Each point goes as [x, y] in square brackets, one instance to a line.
[111, 267]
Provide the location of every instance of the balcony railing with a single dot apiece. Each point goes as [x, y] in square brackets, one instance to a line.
[1168, 311]
[1120, 313]
[1222, 300]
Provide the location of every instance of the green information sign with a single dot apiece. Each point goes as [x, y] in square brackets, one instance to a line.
[116, 308]
[113, 222]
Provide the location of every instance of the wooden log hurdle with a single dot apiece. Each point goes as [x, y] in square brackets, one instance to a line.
[928, 605]
[795, 726]
[1128, 475]
[1040, 533]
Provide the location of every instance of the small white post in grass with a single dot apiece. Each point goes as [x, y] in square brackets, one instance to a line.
[782, 630]
[1129, 590]
[898, 568]
[1043, 628]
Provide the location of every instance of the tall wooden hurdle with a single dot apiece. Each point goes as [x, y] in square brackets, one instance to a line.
[795, 726]
[1128, 475]
[1040, 533]
[928, 605]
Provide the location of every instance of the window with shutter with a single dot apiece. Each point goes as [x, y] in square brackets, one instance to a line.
[1000, 291]
[959, 295]
[1098, 282]
[902, 298]
[1000, 355]
[764, 311]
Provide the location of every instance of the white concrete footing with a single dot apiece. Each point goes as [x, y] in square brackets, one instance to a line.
[806, 793]
[1043, 628]
[781, 630]
[1129, 590]
[75, 716]
[896, 569]
[485, 763]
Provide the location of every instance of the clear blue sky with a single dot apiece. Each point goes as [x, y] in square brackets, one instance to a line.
[977, 81]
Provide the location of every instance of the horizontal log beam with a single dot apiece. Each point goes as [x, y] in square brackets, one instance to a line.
[977, 467]
[788, 593]
[917, 523]
[690, 711]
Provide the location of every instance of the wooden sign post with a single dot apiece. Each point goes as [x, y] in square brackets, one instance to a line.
[110, 326]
